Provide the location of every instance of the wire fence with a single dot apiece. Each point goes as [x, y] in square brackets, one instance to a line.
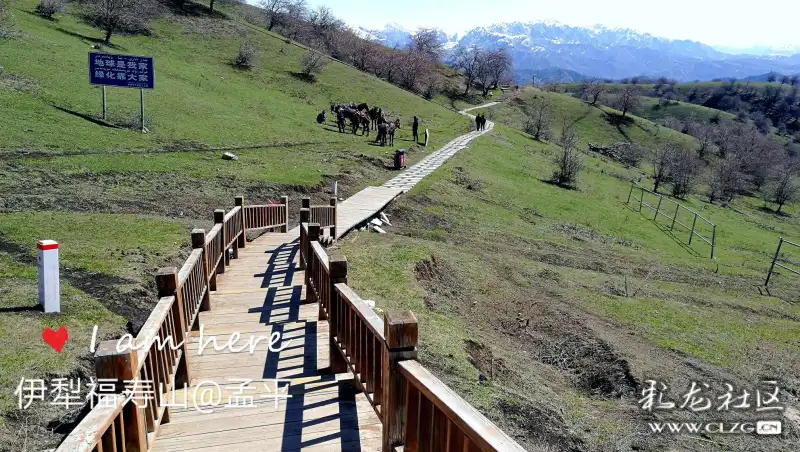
[676, 214]
[780, 261]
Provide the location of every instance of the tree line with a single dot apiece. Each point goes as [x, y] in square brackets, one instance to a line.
[732, 157]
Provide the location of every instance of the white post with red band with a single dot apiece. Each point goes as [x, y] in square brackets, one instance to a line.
[49, 290]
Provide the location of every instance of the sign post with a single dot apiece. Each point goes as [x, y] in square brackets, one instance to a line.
[49, 290]
[124, 71]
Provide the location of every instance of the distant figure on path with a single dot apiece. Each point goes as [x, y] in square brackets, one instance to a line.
[478, 122]
[415, 129]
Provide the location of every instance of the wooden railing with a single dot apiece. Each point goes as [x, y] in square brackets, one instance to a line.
[417, 410]
[270, 216]
[780, 262]
[324, 216]
[158, 360]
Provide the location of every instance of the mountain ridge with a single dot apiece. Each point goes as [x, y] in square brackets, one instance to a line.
[602, 52]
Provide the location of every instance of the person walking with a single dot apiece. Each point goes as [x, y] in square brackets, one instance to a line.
[415, 129]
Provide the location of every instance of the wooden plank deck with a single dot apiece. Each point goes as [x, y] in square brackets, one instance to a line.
[261, 293]
[363, 206]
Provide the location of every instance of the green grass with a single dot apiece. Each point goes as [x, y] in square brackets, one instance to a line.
[94, 249]
[597, 125]
[653, 110]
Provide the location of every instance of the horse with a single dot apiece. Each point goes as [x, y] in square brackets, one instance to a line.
[374, 114]
[390, 129]
[382, 130]
[364, 124]
[362, 107]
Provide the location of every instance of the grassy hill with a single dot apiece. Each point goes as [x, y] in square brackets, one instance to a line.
[548, 308]
[122, 203]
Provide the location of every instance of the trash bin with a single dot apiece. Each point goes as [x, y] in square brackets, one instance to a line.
[399, 159]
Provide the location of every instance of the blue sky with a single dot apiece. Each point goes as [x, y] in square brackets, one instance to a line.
[714, 22]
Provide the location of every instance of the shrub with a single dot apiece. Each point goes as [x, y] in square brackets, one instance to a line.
[313, 63]
[46, 8]
[569, 164]
[247, 58]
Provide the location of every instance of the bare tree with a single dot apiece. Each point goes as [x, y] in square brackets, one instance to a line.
[539, 120]
[784, 188]
[594, 91]
[274, 9]
[121, 15]
[468, 62]
[426, 42]
[705, 136]
[569, 163]
[661, 159]
[628, 99]
[771, 77]
[46, 8]
[683, 169]
[785, 80]
[726, 179]
[794, 79]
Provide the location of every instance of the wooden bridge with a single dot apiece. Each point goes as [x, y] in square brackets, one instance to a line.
[300, 363]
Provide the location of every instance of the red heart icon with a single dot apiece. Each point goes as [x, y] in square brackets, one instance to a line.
[55, 339]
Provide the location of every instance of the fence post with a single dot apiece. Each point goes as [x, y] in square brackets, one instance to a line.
[219, 218]
[313, 236]
[713, 240]
[305, 217]
[630, 194]
[305, 203]
[168, 285]
[239, 202]
[123, 366]
[401, 331]
[338, 274]
[675, 217]
[285, 201]
[774, 259]
[641, 200]
[691, 233]
[199, 241]
[658, 209]
[333, 228]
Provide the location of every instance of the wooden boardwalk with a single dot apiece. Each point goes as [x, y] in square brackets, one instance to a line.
[260, 294]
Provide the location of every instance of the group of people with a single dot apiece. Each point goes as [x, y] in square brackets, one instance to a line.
[480, 122]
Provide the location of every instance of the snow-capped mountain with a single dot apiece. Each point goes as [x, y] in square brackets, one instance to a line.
[603, 52]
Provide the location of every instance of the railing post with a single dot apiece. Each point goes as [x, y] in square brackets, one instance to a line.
[630, 194]
[658, 209]
[675, 217]
[305, 217]
[338, 275]
[333, 228]
[168, 285]
[313, 236]
[691, 233]
[219, 218]
[774, 259]
[401, 331]
[123, 366]
[641, 200]
[713, 240]
[305, 203]
[239, 202]
[285, 201]
[199, 241]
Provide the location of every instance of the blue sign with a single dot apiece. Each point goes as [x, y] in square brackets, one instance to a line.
[125, 71]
